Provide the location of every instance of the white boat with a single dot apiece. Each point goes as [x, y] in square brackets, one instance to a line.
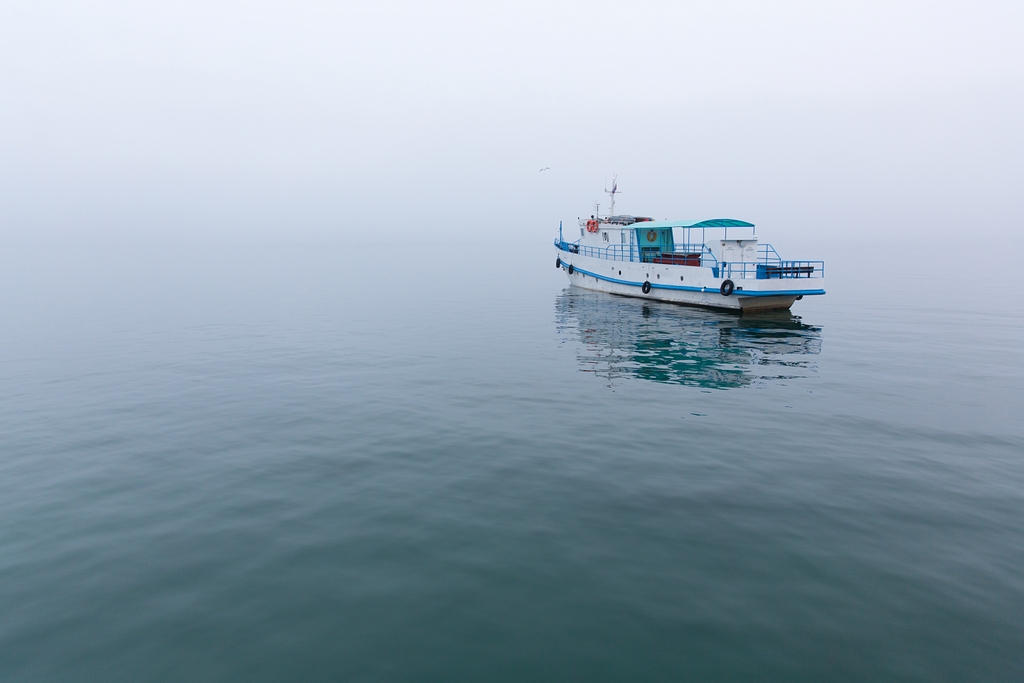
[715, 263]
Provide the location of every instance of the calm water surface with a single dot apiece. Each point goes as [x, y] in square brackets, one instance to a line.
[295, 465]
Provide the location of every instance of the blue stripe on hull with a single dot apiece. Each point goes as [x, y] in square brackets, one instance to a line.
[683, 288]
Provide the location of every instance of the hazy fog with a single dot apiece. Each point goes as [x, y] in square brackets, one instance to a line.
[312, 122]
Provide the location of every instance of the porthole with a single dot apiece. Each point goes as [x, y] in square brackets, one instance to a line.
[620, 272]
[658, 276]
[680, 278]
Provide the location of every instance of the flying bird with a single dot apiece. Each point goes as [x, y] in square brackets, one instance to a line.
[546, 168]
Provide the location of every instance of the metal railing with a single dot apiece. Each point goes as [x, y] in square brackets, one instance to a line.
[613, 252]
[769, 265]
[631, 252]
[767, 253]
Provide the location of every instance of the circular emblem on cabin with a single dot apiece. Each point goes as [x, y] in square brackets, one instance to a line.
[652, 236]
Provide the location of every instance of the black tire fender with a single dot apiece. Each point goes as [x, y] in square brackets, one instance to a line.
[646, 289]
[727, 287]
[570, 269]
[558, 262]
[799, 296]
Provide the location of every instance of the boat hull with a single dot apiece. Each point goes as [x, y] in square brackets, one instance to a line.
[687, 285]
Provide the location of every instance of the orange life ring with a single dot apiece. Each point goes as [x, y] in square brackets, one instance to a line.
[652, 236]
[592, 226]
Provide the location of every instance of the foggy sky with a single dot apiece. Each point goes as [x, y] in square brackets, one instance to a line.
[274, 121]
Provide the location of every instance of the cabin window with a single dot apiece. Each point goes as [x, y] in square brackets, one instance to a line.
[623, 236]
[581, 232]
[605, 235]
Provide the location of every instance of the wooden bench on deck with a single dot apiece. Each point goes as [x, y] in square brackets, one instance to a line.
[678, 259]
[774, 272]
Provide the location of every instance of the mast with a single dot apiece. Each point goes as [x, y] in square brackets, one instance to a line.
[612, 192]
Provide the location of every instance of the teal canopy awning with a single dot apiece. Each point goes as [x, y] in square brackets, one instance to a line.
[710, 223]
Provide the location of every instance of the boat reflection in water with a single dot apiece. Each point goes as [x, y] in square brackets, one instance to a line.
[620, 337]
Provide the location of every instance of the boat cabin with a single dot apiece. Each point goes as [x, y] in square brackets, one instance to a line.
[637, 238]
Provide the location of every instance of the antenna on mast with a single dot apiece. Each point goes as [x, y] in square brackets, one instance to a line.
[612, 192]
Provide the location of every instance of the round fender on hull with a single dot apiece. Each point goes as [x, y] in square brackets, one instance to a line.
[727, 288]
[558, 262]
[570, 269]
[799, 296]
[646, 289]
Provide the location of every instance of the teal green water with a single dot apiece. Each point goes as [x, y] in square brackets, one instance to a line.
[296, 464]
